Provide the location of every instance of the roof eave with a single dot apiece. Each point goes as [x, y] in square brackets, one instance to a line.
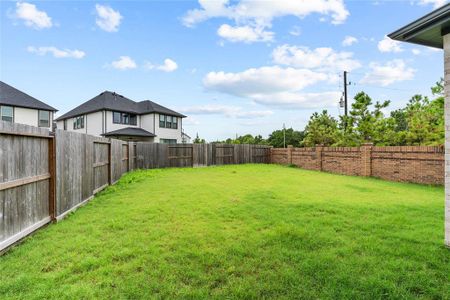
[31, 107]
[409, 32]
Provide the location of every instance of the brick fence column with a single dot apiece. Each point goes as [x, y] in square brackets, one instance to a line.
[289, 154]
[366, 159]
[319, 151]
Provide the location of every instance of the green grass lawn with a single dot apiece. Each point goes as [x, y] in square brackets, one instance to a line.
[249, 231]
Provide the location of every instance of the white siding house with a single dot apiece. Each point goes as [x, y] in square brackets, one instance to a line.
[18, 107]
[113, 115]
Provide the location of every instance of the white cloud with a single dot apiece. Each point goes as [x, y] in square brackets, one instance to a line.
[124, 63]
[388, 45]
[435, 3]
[273, 86]
[299, 100]
[393, 71]
[58, 53]
[416, 51]
[107, 19]
[349, 40]
[32, 17]
[190, 121]
[168, 66]
[226, 110]
[320, 58]
[246, 34]
[259, 14]
[262, 80]
[265, 11]
[295, 31]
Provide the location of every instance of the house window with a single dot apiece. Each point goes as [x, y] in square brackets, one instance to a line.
[44, 118]
[168, 141]
[65, 124]
[6, 113]
[78, 122]
[133, 119]
[124, 118]
[166, 121]
[174, 122]
[116, 117]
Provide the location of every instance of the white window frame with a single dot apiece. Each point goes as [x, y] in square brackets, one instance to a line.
[3, 115]
[39, 118]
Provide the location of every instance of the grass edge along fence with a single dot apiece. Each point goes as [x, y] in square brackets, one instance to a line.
[44, 176]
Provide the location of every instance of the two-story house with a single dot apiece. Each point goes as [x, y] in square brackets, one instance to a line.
[112, 115]
[18, 107]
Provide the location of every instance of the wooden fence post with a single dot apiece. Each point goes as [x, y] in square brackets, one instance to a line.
[366, 159]
[319, 157]
[271, 155]
[289, 154]
[52, 179]
[109, 163]
[129, 156]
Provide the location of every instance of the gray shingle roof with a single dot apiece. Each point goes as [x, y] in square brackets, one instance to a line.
[12, 96]
[115, 102]
[130, 131]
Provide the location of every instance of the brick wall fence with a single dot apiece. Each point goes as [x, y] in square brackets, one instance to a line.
[418, 164]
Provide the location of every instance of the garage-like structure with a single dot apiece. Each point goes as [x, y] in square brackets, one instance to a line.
[433, 30]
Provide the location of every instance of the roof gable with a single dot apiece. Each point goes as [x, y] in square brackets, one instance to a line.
[115, 102]
[12, 96]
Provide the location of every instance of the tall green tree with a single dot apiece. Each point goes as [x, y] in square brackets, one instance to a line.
[365, 122]
[293, 137]
[322, 129]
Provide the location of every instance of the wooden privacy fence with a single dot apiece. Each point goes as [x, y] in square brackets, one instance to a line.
[45, 176]
[150, 155]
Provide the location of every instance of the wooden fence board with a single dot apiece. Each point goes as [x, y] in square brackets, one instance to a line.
[24, 180]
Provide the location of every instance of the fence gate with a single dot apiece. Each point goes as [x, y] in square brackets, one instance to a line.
[27, 186]
[224, 154]
[101, 165]
[181, 155]
[260, 154]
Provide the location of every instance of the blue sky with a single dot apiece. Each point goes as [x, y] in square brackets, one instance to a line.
[233, 67]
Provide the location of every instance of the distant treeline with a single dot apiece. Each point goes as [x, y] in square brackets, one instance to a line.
[420, 122]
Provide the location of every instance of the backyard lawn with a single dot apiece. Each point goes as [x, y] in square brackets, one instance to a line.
[248, 231]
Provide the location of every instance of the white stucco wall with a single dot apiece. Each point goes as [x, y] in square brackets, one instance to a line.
[93, 123]
[166, 133]
[148, 122]
[28, 116]
[110, 126]
[69, 121]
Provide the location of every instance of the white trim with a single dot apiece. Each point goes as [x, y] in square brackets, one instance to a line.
[20, 235]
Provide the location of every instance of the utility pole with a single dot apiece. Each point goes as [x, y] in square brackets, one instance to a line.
[284, 135]
[345, 92]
